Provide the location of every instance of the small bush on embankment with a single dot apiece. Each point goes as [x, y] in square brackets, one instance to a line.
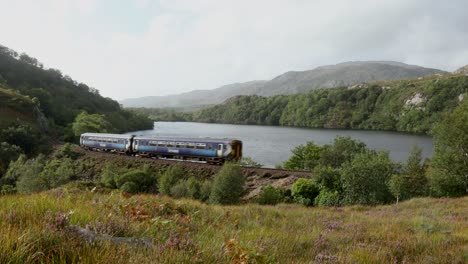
[41, 228]
[228, 185]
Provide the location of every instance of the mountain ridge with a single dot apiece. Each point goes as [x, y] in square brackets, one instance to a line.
[291, 82]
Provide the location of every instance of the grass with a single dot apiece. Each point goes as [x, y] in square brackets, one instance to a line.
[34, 229]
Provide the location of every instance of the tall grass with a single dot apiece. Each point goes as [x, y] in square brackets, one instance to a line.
[33, 228]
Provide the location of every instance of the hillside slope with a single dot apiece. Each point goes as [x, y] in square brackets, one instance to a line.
[60, 97]
[348, 73]
[407, 106]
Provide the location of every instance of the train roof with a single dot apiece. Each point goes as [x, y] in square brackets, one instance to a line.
[184, 139]
[107, 135]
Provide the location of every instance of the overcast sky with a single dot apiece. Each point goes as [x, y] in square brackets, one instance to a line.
[134, 48]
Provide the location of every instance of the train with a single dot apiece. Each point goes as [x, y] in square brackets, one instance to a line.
[210, 150]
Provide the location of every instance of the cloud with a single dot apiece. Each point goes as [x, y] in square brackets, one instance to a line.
[182, 45]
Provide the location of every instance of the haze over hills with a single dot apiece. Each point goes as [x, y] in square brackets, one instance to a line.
[293, 82]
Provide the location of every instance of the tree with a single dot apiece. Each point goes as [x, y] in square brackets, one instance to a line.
[8, 153]
[448, 174]
[342, 150]
[85, 122]
[170, 178]
[228, 185]
[305, 157]
[27, 172]
[365, 178]
[304, 191]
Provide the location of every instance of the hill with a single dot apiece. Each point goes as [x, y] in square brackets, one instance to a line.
[294, 82]
[92, 225]
[14, 107]
[60, 97]
[407, 106]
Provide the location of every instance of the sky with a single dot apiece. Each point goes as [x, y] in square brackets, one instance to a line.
[135, 48]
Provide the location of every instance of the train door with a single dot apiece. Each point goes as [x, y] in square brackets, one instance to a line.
[220, 150]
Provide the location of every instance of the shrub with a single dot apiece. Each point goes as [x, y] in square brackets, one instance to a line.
[193, 188]
[57, 173]
[305, 157]
[180, 190]
[228, 185]
[108, 175]
[7, 189]
[328, 198]
[270, 195]
[67, 151]
[8, 153]
[249, 162]
[342, 150]
[205, 190]
[170, 178]
[139, 180]
[449, 166]
[365, 178]
[28, 173]
[304, 191]
[328, 178]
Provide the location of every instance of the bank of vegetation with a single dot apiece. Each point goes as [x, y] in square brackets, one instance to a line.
[405, 106]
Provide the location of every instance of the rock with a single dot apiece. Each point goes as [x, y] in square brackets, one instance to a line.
[416, 100]
[461, 97]
[462, 70]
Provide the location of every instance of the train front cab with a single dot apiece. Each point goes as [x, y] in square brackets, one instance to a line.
[236, 152]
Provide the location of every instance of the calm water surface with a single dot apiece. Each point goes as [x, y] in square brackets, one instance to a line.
[272, 145]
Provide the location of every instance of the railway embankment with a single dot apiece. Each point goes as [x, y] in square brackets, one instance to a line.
[256, 177]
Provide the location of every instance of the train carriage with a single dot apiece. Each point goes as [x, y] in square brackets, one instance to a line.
[107, 142]
[204, 149]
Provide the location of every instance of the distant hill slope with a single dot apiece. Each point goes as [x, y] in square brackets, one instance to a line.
[294, 82]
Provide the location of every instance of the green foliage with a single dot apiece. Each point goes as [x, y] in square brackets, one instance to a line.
[304, 191]
[7, 189]
[448, 174]
[67, 151]
[108, 175]
[342, 150]
[85, 122]
[380, 106]
[305, 157]
[249, 162]
[328, 198]
[170, 178]
[327, 178]
[27, 173]
[228, 185]
[24, 136]
[193, 188]
[56, 173]
[270, 195]
[135, 180]
[60, 97]
[8, 153]
[179, 190]
[365, 178]
[205, 190]
[412, 182]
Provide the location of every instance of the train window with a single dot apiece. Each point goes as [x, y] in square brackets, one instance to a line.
[201, 146]
[180, 145]
[170, 144]
[191, 145]
[210, 146]
[220, 147]
[153, 143]
[161, 144]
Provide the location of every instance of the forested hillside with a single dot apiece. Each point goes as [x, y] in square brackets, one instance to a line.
[60, 97]
[407, 106]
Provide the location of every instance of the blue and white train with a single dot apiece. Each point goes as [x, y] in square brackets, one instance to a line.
[204, 149]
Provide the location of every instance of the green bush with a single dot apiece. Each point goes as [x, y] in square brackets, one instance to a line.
[449, 166]
[205, 190]
[27, 172]
[108, 175]
[68, 151]
[328, 198]
[228, 185]
[180, 190]
[249, 162]
[304, 191]
[8, 153]
[193, 188]
[57, 173]
[170, 178]
[365, 179]
[270, 195]
[7, 189]
[305, 157]
[136, 180]
[327, 178]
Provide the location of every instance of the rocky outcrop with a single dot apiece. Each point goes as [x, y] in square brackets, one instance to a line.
[462, 70]
[415, 100]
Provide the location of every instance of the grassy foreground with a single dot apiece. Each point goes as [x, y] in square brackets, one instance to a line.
[36, 228]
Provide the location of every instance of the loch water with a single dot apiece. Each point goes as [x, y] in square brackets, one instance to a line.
[272, 145]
